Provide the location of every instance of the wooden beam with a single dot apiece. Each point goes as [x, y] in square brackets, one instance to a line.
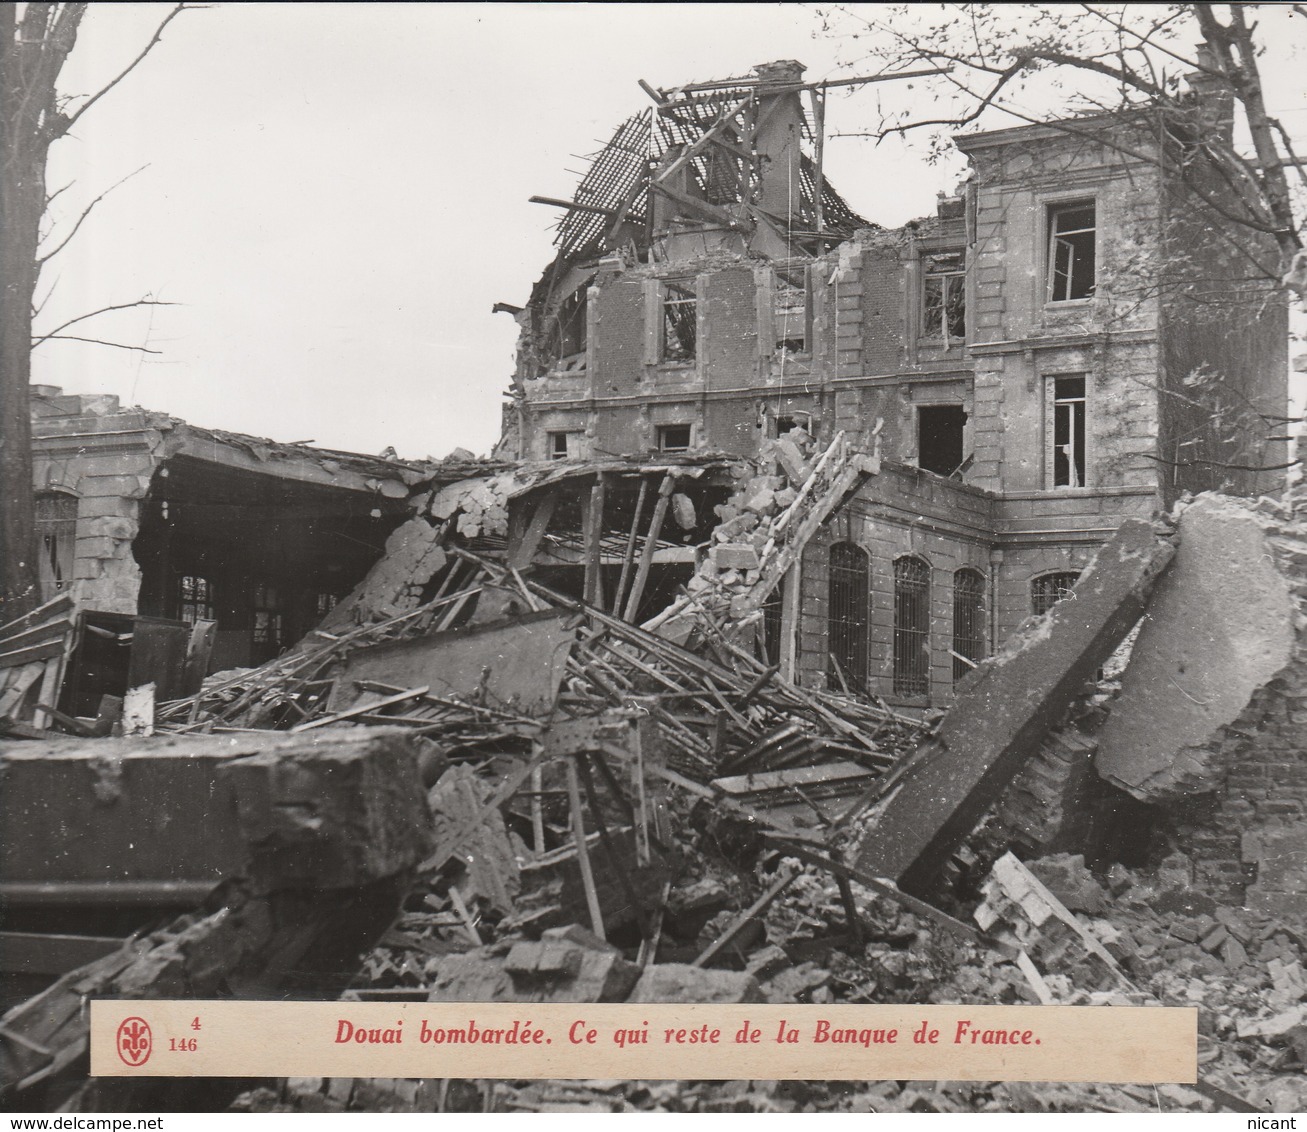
[593, 525]
[707, 136]
[628, 559]
[571, 204]
[650, 543]
[702, 207]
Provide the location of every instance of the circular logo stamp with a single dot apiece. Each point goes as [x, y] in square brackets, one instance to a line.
[134, 1041]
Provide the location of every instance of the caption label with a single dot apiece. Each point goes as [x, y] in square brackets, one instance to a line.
[632, 1040]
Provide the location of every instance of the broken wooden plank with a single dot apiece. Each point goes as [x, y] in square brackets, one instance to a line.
[745, 918]
[364, 708]
[650, 545]
[582, 850]
[1005, 708]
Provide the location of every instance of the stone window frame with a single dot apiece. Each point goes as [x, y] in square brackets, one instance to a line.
[658, 314]
[925, 252]
[570, 436]
[774, 330]
[1050, 206]
[1051, 403]
[660, 431]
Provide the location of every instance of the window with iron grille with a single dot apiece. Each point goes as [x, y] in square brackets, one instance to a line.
[848, 616]
[944, 296]
[1048, 589]
[56, 530]
[968, 619]
[196, 599]
[680, 321]
[911, 627]
[1071, 251]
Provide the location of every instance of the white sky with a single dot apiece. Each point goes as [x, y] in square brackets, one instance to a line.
[336, 194]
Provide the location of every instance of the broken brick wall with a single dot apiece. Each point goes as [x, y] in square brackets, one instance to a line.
[1210, 728]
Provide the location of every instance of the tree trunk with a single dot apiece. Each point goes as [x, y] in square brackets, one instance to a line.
[33, 48]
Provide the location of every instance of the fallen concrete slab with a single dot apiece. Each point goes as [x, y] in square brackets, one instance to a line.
[163, 820]
[1005, 708]
[1219, 626]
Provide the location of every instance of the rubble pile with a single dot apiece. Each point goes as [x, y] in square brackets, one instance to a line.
[762, 531]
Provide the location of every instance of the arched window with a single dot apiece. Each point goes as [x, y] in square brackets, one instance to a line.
[968, 619]
[1048, 589]
[911, 627]
[56, 532]
[849, 616]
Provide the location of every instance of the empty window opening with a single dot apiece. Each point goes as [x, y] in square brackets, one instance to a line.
[1046, 591]
[848, 617]
[563, 445]
[268, 619]
[673, 438]
[1068, 454]
[944, 296]
[1071, 267]
[680, 321]
[196, 599]
[56, 530]
[911, 627]
[968, 620]
[790, 310]
[940, 438]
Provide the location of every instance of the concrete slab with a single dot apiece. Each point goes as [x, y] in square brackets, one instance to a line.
[1218, 627]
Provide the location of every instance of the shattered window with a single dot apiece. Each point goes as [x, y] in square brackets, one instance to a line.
[1046, 591]
[848, 617]
[325, 603]
[569, 329]
[911, 627]
[56, 528]
[268, 617]
[944, 300]
[1071, 267]
[790, 310]
[674, 438]
[197, 600]
[680, 321]
[1067, 457]
[968, 620]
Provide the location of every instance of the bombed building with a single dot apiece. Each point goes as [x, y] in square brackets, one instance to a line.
[1024, 360]
[848, 615]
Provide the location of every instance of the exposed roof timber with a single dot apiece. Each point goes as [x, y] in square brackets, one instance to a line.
[702, 207]
[663, 97]
[723, 120]
[556, 202]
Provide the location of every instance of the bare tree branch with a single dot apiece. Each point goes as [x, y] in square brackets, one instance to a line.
[37, 340]
[94, 342]
[71, 121]
[42, 260]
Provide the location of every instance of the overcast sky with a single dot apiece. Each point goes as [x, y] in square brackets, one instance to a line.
[336, 195]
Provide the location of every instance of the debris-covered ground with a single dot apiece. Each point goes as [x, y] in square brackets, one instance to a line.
[644, 812]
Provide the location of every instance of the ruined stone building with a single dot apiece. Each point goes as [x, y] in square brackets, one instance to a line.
[1073, 338]
[152, 525]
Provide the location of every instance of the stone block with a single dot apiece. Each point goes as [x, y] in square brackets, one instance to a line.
[735, 556]
[678, 982]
